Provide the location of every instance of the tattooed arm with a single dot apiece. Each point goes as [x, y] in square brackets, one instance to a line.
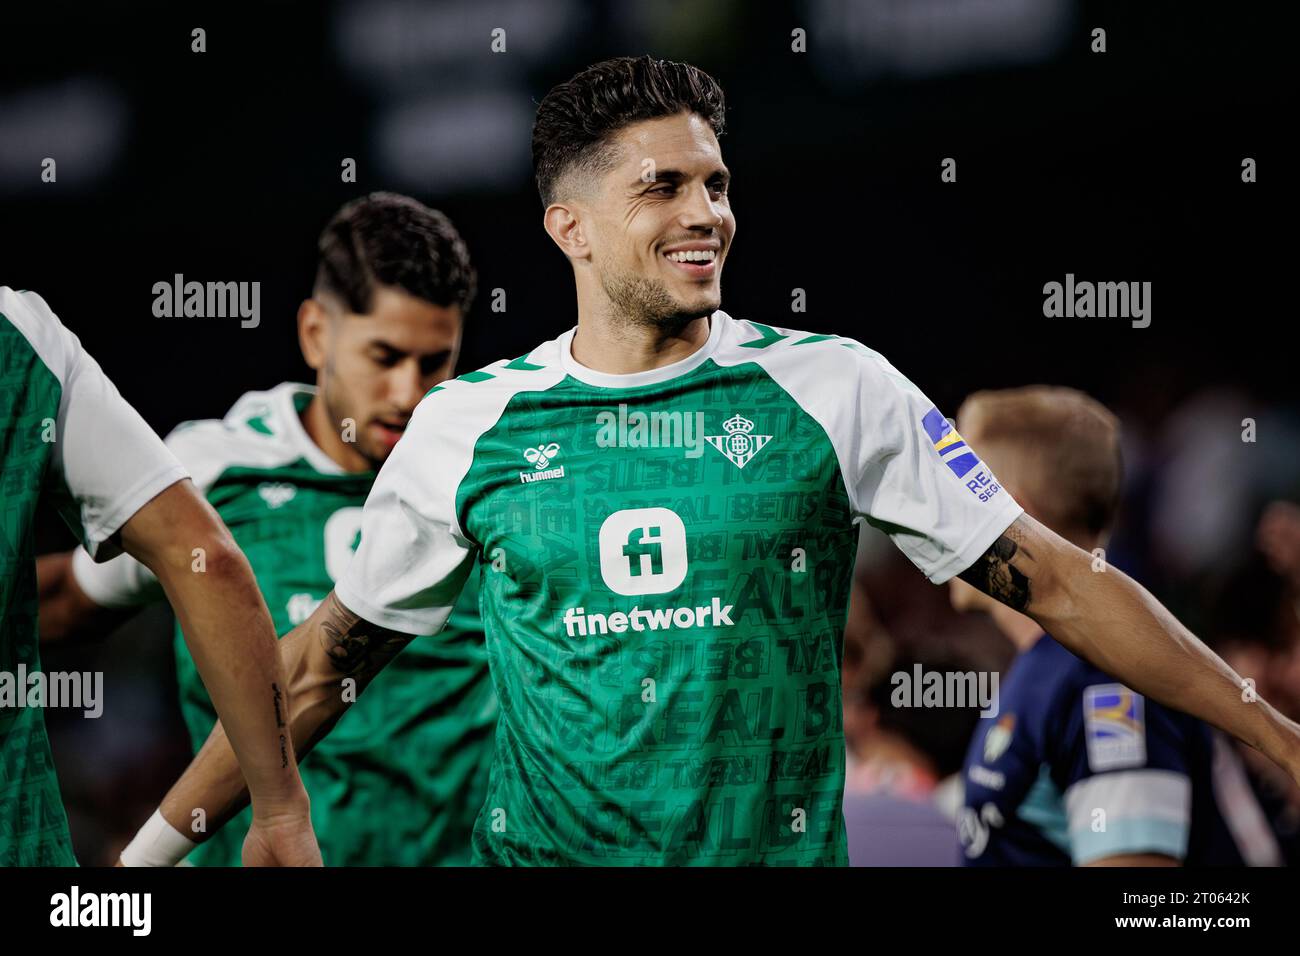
[230, 635]
[1113, 622]
[331, 647]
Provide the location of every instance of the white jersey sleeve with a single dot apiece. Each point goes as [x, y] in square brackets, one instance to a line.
[414, 558]
[917, 479]
[906, 469]
[208, 448]
[120, 582]
[106, 463]
[124, 581]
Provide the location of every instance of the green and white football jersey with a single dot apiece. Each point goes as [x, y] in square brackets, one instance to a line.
[65, 432]
[666, 559]
[402, 776]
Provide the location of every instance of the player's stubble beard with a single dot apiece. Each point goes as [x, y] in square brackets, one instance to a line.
[339, 406]
[636, 300]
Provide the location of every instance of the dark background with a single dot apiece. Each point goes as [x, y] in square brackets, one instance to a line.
[1122, 166]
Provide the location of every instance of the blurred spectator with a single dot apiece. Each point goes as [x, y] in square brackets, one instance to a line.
[901, 761]
[1256, 628]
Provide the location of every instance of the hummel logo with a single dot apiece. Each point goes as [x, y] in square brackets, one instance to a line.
[738, 444]
[539, 458]
[276, 494]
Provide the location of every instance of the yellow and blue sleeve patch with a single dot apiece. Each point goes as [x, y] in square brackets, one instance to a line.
[952, 448]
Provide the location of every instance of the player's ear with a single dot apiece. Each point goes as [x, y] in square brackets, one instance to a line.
[563, 223]
[313, 326]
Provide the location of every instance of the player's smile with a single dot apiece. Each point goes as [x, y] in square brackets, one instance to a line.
[698, 260]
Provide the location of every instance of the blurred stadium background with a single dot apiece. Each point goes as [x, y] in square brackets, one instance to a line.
[1122, 166]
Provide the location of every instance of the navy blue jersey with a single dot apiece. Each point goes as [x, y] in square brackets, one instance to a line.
[1076, 767]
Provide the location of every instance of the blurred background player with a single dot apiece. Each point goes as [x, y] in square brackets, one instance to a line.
[401, 779]
[66, 433]
[1075, 767]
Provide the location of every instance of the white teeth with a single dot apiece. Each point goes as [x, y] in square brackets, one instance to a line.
[696, 255]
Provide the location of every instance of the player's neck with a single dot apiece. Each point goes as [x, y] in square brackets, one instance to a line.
[319, 428]
[616, 346]
[1022, 631]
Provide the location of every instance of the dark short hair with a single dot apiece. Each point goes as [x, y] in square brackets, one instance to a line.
[387, 239]
[578, 118]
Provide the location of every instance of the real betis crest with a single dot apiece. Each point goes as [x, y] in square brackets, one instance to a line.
[738, 444]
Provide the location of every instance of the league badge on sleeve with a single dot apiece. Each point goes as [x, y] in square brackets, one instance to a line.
[952, 448]
[958, 456]
[1113, 727]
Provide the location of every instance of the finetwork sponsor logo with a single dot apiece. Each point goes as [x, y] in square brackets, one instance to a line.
[738, 445]
[75, 908]
[208, 300]
[540, 457]
[643, 551]
[653, 429]
[577, 622]
[922, 688]
[57, 689]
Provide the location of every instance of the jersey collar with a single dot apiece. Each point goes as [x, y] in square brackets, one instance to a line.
[648, 377]
[287, 412]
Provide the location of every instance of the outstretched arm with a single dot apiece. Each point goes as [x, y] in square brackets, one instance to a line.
[1113, 622]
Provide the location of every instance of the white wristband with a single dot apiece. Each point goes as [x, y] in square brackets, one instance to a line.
[157, 844]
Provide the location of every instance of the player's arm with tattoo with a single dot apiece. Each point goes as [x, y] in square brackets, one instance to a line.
[229, 633]
[328, 660]
[1110, 620]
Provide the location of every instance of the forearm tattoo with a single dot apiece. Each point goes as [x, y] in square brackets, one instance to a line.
[355, 646]
[995, 575]
[278, 699]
